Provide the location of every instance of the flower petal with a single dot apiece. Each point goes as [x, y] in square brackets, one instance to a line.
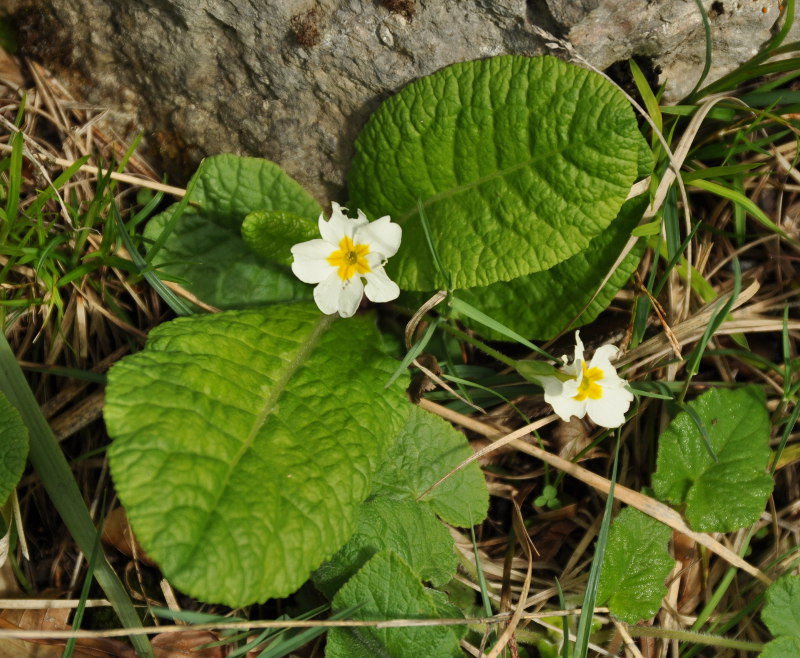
[382, 236]
[561, 396]
[350, 297]
[609, 411]
[310, 263]
[339, 225]
[552, 386]
[566, 407]
[602, 357]
[327, 293]
[380, 288]
[578, 350]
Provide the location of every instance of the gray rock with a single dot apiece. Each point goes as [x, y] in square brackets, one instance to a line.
[671, 34]
[294, 80]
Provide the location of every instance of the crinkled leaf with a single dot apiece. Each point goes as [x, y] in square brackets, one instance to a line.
[272, 233]
[518, 162]
[219, 268]
[240, 462]
[542, 304]
[781, 611]
[205, 249]
[723, 495]
[404, 526]
[13, 448]
[787, 646]
[389, 589]
[231, 187]
[635, 566]
[426, 449]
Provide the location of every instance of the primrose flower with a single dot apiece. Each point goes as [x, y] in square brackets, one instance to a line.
[351, 251]
[595, 388]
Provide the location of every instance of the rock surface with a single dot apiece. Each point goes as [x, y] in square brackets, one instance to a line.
[294, 80]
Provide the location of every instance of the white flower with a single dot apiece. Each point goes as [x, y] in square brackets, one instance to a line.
[595, 389]
[350, 250]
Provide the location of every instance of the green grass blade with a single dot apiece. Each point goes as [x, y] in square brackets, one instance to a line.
[426, 228]
[175, 302]
[740, 199]
[193, 617]
[752, 69]
[176, 215]
[718, 172]
[266, 633]
[707, 34]
[693, 362]
[650, 101]
[787, 432]
[564, 621]
[413, 353]
[21, 110]
[54, 472]
[14, 185]
[35, 209]
[286, 645]
[77, 618]
[590, 597]
[460, 306]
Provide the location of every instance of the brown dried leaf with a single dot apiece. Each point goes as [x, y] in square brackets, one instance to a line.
[571, 438]
[117, 533]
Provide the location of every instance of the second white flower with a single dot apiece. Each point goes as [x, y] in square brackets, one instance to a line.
[595, 388]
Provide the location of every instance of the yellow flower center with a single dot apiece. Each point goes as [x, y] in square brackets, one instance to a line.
[350, 258]
[589, 388]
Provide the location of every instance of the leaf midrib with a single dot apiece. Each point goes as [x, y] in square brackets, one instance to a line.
[281, 383]
[498, 173]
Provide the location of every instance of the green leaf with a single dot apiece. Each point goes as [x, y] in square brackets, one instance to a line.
[518, 163]
[723, 495]
[272, 233]
[239, 459]
[781, 611]
[232, 187]
[407, 528]
[389, 589]
[533, 370]
[635, 566]
[13, 448]
[426, 449]
[787, 646]
[541, 305]
[205, 249]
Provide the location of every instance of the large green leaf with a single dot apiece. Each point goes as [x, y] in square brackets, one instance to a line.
[781, 612]
[388, 588]
[404, 526]
[727, 490]
[542, 304]
[205, 248]
[635, 566]
[244, 443]
[13, 448]
[426, 450]
[272, 233]
[786, 646]
[518, 163]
